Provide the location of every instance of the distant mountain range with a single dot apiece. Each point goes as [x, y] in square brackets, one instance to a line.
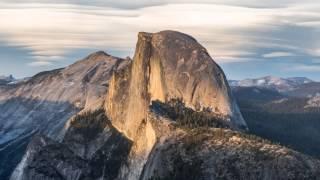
[272, 82]
[6, 79]
[285, 110]
[11, 80]
[287, 88]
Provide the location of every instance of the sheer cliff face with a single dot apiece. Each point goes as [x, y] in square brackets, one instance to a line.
[180, 68]
[169, 65]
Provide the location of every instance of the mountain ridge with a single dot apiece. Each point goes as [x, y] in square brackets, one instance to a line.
[47, 100]
[4, 80]
[273, 82]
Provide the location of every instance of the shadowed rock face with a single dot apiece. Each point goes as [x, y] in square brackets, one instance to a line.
[46, 101]
[99, 157]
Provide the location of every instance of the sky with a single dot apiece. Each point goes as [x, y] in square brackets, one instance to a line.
[247, 38]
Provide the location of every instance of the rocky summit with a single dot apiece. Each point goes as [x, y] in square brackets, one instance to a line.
[44, 103]
[167, 114]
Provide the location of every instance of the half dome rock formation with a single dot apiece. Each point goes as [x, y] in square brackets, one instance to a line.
[170, 65]
[166, 66]
[167, 114]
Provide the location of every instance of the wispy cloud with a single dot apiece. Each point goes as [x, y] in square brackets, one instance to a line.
[53, 30]
[48, 58]
[314, 52]
[304, 68]
[137, 4]
[231, 30]
[40, 63]
[232, 59]
[278, 54]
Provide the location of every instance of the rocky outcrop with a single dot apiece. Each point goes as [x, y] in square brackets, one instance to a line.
[54, 96]
[46, 101]
[224, 154]
[169, 65]
[91, 149]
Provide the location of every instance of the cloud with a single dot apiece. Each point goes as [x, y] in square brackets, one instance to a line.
[137, 4]
[314, 52]
[48, 58]
[54, 30]
[231, 30]
[40, 63]
[232, 59]
[304, 67]
[278, 54]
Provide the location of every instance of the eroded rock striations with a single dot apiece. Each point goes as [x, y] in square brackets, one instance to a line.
[166, 66]
[46, 101]
[168, 114]
[169, 65]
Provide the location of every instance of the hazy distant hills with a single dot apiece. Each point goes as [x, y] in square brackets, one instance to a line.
[272, 82]
[306, 90]
[301, 89]
[4, 80]
[289, 115]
